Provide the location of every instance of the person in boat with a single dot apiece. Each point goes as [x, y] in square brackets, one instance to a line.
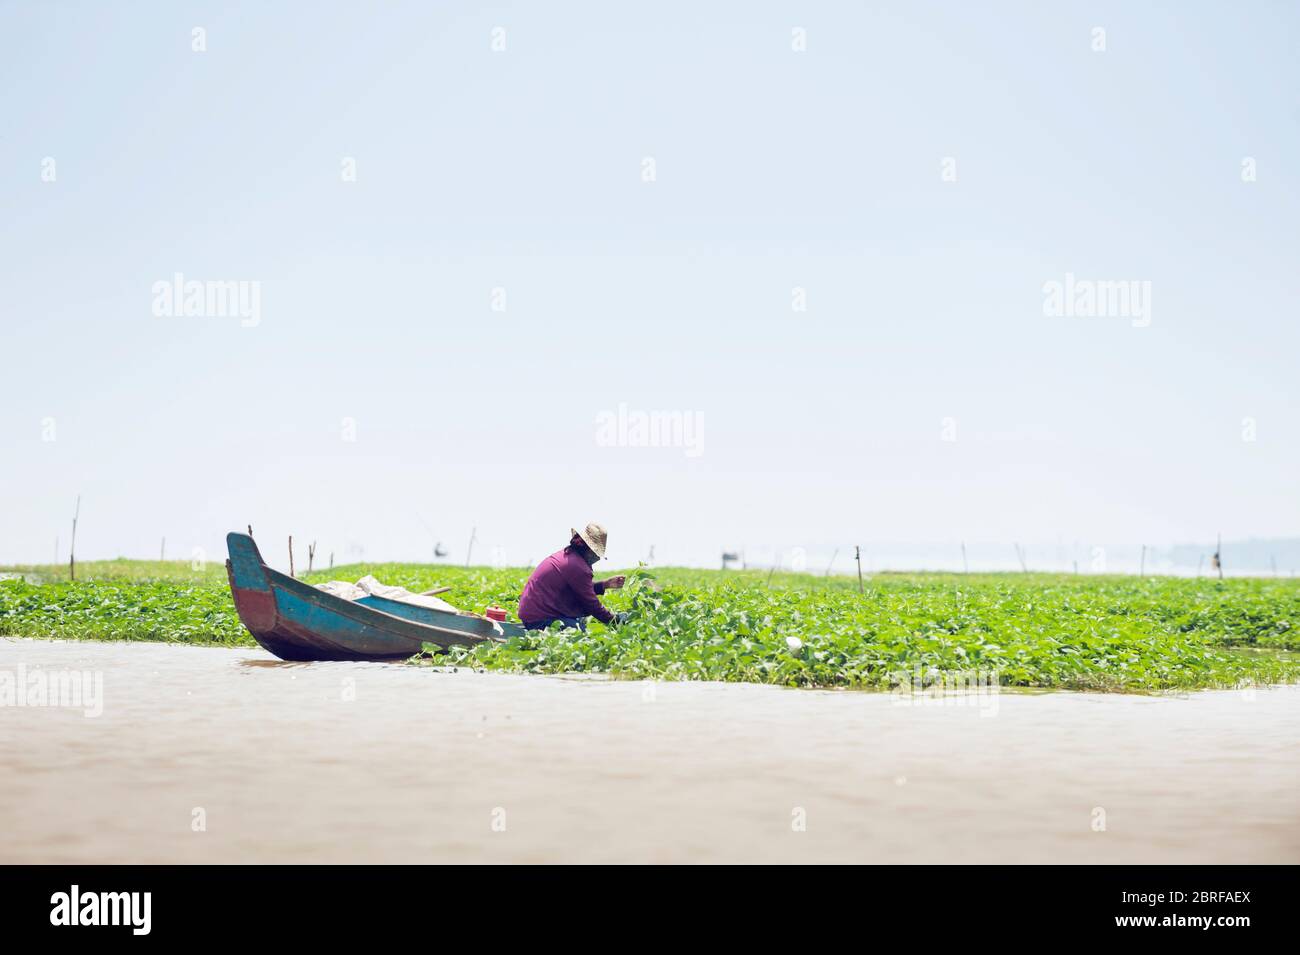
[561, 588]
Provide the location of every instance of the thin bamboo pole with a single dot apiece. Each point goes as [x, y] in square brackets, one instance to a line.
[72, 548]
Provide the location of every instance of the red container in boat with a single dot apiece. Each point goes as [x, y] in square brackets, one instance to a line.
[496, 613]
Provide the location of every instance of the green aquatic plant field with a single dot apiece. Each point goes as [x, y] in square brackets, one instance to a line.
[1032, 630]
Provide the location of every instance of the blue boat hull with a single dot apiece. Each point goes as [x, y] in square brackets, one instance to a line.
[296, 621]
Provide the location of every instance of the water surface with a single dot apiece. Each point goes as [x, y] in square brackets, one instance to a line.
[334, 762]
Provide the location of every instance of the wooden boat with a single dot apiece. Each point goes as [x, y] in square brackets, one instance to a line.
[297, 621]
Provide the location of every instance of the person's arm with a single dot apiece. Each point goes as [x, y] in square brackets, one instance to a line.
[583, 588]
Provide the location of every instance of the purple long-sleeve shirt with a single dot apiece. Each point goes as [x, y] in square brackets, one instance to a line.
[561, 586]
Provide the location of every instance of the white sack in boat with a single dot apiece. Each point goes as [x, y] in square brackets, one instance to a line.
[367, 586]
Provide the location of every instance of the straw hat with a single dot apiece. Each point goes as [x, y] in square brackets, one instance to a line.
[593, 535]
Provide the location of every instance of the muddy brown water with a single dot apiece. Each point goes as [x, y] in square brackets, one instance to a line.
[216, 755]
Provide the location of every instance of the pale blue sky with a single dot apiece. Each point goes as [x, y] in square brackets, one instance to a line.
[522, 169]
